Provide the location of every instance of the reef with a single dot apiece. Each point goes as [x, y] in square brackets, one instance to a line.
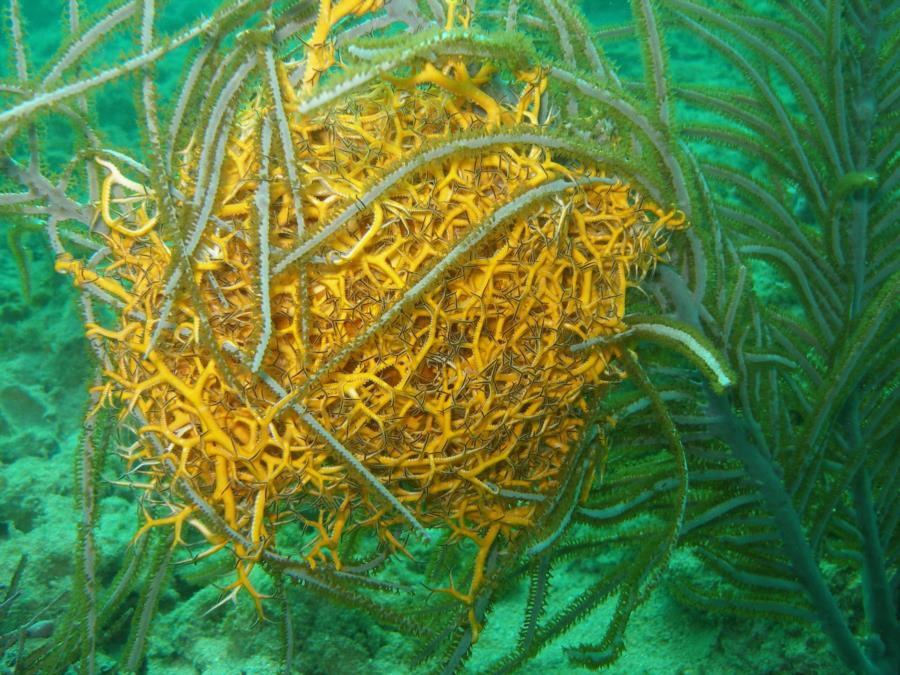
[405, 305]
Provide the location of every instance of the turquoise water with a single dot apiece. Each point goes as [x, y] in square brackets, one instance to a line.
[45, 369]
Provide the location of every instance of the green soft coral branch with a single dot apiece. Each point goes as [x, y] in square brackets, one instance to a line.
[677, 336]
[20, 253]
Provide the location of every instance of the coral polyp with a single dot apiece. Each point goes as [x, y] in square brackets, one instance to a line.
[366, 327]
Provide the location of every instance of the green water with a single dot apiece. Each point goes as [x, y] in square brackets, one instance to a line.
[45, 369]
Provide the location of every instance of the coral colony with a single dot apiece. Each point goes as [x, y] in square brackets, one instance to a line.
[395, 304]
[361, 329]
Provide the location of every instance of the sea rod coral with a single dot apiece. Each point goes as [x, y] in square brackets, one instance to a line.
[370, 292]
[359, 308]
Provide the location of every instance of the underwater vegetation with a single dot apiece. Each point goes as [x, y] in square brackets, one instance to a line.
[404, 305]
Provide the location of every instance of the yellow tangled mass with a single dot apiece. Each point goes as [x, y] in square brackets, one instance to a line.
[438, 362]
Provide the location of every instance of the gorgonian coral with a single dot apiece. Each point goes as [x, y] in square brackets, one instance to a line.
[365, 325]
[362, 276]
